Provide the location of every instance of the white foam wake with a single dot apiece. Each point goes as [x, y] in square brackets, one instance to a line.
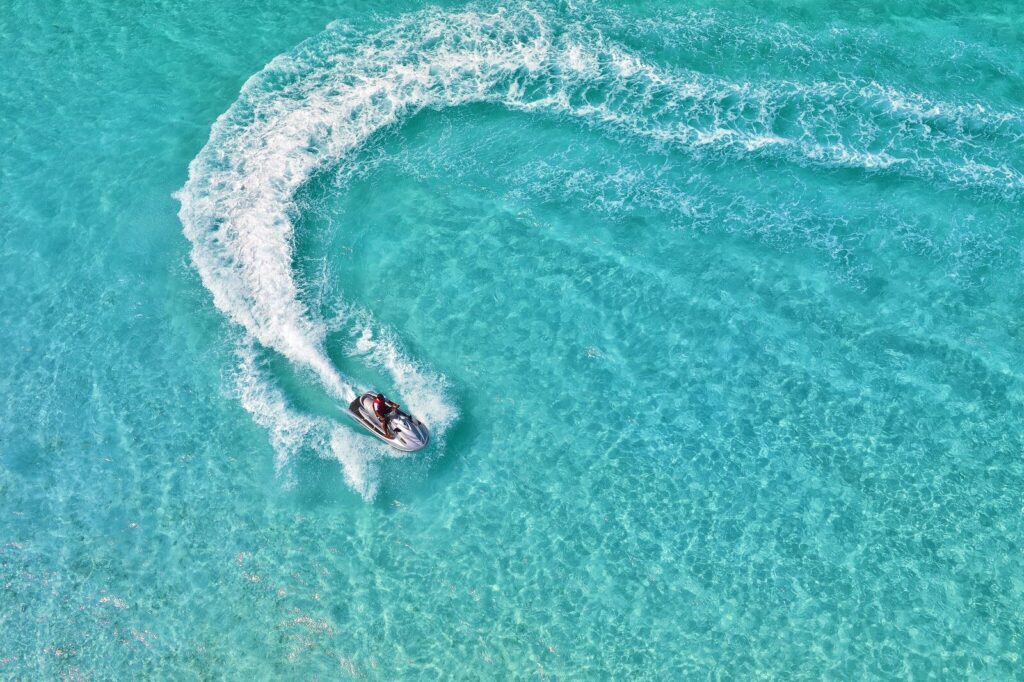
[310, 110]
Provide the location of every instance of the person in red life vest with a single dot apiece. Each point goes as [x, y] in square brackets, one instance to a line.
[382, 409]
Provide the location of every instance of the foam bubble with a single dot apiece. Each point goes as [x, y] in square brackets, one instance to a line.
[358, 457]
[289, 430]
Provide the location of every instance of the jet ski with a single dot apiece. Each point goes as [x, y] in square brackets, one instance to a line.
[408, 434]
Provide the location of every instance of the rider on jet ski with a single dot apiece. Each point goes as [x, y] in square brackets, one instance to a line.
[382, 409]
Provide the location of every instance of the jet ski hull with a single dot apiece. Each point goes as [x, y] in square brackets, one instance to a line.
[408, 433]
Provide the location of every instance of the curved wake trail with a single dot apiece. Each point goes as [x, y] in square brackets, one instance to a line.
[309, 110]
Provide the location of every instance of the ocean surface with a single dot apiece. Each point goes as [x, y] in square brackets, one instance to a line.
[714, 310]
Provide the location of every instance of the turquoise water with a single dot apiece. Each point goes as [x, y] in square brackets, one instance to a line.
[713, 311]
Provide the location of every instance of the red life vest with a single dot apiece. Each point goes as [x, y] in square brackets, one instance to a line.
[379, 405]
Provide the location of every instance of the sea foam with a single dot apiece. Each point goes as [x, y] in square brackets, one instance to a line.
[312, 109]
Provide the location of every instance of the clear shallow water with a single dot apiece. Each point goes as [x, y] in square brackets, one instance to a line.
[770, 258]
